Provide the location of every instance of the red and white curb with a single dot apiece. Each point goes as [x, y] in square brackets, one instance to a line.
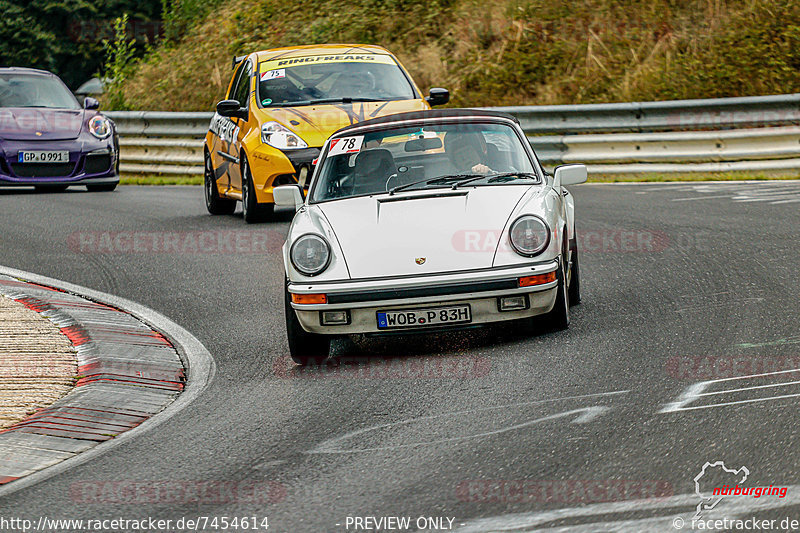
[136, 368]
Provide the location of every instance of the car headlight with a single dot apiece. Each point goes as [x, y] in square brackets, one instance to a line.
[281, 137]
[529, 235]
[310, 254]
[100, 126]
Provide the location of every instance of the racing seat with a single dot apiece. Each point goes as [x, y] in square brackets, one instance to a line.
[372, 170]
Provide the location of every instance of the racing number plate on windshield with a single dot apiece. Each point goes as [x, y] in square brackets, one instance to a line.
[432, 316]
[43, 157]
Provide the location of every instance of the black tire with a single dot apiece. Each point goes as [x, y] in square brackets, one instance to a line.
[574, 275]
[304, 347]
[558, 318]
[252, 211]
[51, 188]
[101, 187]
[214, 204]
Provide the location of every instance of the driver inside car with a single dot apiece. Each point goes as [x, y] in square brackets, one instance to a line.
[467, 152]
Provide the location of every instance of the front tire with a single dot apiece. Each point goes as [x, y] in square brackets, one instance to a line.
[252, 211]
[214, 204]
[304, 347]
[558, 318]
[575, 275]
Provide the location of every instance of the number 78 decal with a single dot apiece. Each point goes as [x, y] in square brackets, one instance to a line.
[346, 145]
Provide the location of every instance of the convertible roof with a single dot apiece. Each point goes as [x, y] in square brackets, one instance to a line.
[414, 116]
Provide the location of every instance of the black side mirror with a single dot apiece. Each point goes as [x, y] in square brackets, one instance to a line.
[90, 103]
[438, 96]
[231, 108]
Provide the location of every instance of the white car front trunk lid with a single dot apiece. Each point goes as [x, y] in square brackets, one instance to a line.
[414, 234]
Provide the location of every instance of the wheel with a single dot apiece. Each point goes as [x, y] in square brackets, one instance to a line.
[304, 347]
[214, 204]
[574, 275]
[102, 187]
[51, 188]
[558, 318]
[252, 211]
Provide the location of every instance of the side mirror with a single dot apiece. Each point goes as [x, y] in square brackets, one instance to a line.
[90, 103]
[569, 175]
[288, 196]
[231, 108]
[438, 96]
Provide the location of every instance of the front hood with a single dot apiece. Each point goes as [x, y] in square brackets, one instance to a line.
[444, 234]
[38, 124]
[314, 124]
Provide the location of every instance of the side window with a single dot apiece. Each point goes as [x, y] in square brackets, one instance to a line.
[236, 76]
[243, 87]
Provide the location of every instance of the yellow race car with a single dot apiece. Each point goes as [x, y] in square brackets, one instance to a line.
[282, 105]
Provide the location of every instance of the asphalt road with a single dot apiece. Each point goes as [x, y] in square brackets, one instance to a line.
[681, 284]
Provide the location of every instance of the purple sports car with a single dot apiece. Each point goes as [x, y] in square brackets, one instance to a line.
[47, 140]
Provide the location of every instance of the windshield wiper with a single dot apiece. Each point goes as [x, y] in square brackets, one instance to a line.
[431, 181]
[511, 176]
[495, 178]
[328, 101]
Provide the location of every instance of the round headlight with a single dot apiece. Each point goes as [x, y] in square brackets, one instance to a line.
[529, 235]
[100, 126]
[310, 254]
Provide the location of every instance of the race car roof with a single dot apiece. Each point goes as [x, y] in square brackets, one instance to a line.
[319, 50]
[414, 116]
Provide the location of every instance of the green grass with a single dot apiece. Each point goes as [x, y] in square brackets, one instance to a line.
[514, 52]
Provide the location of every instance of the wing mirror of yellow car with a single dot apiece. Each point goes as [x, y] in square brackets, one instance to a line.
[288, 196]
[438, 96]
[231, 108]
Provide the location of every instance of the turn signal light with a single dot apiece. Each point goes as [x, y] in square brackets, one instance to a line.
[309, 298]
[538, 279]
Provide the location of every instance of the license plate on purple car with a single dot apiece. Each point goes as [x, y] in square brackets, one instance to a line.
[43, 156]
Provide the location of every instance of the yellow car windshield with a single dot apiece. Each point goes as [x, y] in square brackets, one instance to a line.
[331, 79]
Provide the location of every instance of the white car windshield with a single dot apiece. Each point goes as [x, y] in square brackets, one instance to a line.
[331, 79]
[432, 156]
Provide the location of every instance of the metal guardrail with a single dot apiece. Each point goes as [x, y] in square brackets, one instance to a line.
[665, 139]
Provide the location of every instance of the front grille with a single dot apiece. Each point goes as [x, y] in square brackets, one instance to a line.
[4, 167]
[96, 163]
[43, 170]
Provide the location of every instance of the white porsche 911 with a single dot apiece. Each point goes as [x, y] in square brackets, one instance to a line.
[428, 220]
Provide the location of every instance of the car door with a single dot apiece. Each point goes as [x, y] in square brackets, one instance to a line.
[242, 95]
[227, 145]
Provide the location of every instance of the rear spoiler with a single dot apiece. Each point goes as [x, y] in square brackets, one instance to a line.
[237, 60]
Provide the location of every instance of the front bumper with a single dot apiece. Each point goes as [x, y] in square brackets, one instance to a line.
[363, 299]
[89, 163]
[272, 167]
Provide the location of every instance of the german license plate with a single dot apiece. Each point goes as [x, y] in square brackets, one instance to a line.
[431, 316]
[41, 156]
